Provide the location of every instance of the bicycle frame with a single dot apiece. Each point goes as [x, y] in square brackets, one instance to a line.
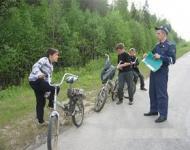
[108, 86]
[55, 103]
[107, 75]
[54, 115]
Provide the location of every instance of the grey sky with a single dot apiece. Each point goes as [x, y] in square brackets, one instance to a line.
[177, 12]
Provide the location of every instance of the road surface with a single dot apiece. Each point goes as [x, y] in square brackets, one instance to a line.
[124, 127]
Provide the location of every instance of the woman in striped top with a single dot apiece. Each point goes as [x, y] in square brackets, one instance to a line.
[38, 80]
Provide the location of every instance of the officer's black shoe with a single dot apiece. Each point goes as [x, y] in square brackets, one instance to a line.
[151, 114]
[143, 89]
[119, 102]
[160, 119]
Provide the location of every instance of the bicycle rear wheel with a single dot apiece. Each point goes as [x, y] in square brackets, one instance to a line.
[53, 132]
[78, 115]
[100, 100]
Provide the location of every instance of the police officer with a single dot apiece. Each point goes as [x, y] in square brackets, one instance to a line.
[165, 51]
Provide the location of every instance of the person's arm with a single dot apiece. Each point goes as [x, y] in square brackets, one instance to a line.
[170, 58]
[125, 64]
[120, 66]
[154, 49]
[153, 52]
[136, 62]
[144, 55]
[36, 69]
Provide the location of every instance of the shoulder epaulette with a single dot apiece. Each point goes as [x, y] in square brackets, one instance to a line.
[171, 43]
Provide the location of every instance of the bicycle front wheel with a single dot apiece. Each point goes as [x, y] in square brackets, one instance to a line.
[100, 100]
[78, 115]
[53, 132]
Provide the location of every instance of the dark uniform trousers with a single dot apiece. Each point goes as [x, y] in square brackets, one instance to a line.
[125, 77]
[158, 91]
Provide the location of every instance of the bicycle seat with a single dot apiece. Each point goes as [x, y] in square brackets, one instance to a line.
[71, 79]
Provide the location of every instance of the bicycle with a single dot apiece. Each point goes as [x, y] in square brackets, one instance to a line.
[73, 108]
[107, 75]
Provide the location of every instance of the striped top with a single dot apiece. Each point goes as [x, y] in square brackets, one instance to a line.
[41, 67]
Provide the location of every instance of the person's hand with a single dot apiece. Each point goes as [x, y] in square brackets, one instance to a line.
[119, 67]
[42, 76]
[132, 63]
[145, 54]
[156, 56]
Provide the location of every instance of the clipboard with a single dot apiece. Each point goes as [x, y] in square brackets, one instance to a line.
[151, 63]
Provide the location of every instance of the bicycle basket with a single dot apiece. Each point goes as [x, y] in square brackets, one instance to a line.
[75, 92]
[108, 74]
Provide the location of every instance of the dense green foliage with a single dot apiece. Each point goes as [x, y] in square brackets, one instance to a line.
[81, 29]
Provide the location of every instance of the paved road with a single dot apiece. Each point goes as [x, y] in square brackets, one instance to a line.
[124, 127]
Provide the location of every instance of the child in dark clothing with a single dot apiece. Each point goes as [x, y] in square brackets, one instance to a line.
[137, 73]
[125, 73]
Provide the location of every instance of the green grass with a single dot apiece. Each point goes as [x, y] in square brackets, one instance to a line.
[16, 102]
[182, 49]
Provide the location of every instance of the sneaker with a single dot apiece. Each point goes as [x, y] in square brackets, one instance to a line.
[45, 123]
[47, 94]
[119, 102]
[143, 89]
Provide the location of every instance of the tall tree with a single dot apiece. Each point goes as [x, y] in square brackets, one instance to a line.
[122, 7]
[5, 5]
[80, 29]
[101, 6]
[146, 15]
[134, 14]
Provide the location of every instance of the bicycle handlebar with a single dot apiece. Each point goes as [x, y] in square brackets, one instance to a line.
[108, 57]
[63, 78]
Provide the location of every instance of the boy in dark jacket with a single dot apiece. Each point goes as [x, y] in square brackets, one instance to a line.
[137, 73]
[125, 73]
